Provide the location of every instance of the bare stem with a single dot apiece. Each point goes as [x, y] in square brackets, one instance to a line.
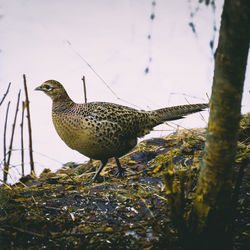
[6, 167]
[29, 125]
[4, 135]
[22, 147]
[85, 90]
[5, 94]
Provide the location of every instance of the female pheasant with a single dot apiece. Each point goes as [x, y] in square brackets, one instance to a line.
[101, 130]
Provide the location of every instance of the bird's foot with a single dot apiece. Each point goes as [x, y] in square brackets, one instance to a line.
[121, 172]
[87, 183]
[98, 179]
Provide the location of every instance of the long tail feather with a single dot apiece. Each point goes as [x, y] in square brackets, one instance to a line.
[176, 112]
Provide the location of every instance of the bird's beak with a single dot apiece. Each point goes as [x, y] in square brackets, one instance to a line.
[39, 88]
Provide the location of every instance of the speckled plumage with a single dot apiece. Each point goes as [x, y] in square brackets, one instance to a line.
[102, 130]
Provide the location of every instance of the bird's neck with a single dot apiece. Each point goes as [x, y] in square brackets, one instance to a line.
[62, 103]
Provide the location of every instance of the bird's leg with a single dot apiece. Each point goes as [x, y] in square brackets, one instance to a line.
[120, 169]
[103, 163]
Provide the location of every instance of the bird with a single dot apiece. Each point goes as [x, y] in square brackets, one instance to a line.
[102, 130]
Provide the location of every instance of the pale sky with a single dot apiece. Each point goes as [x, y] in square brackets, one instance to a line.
[111, 36]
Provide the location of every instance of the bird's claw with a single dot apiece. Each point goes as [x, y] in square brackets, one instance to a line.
[97, 179]
[121, 172]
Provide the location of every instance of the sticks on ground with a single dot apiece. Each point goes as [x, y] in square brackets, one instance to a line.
[85, 90]
[29, 126]
[6, 166]
[4, 135]
[22, 147]
[5, 94]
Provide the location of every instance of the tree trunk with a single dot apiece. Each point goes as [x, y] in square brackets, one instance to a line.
[211, 215]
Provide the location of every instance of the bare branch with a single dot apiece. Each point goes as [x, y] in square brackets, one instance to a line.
[29, 125]
[6, 166]
[22, 147]
[4, 134]
[85, 91]
[5, 94]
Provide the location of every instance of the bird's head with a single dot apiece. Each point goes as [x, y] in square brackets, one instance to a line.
[53, 89]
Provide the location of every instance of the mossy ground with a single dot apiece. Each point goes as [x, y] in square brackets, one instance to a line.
[58, 211]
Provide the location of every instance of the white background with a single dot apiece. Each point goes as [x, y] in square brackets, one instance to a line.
[44, 39]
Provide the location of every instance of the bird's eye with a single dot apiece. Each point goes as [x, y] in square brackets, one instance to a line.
[48, 87]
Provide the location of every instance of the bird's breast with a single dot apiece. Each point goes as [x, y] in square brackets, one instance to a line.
[92, 139]
[71, 129]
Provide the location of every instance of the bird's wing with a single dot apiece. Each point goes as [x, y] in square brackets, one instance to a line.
[124, 120]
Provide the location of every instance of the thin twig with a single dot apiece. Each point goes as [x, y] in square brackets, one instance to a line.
[5, 94]
[85, 91]
[6, 167]
[208, 97]
[29, 125]
[99, 76]
[22, 230]
[6, 185]
[80, 234]
[146, 205]
[184, 94]
[111, 90]
[22, 146]
[4, 134]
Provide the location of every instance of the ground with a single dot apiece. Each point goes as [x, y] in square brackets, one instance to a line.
[58, 211]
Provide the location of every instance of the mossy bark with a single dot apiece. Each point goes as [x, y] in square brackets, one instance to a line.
[210, 218]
